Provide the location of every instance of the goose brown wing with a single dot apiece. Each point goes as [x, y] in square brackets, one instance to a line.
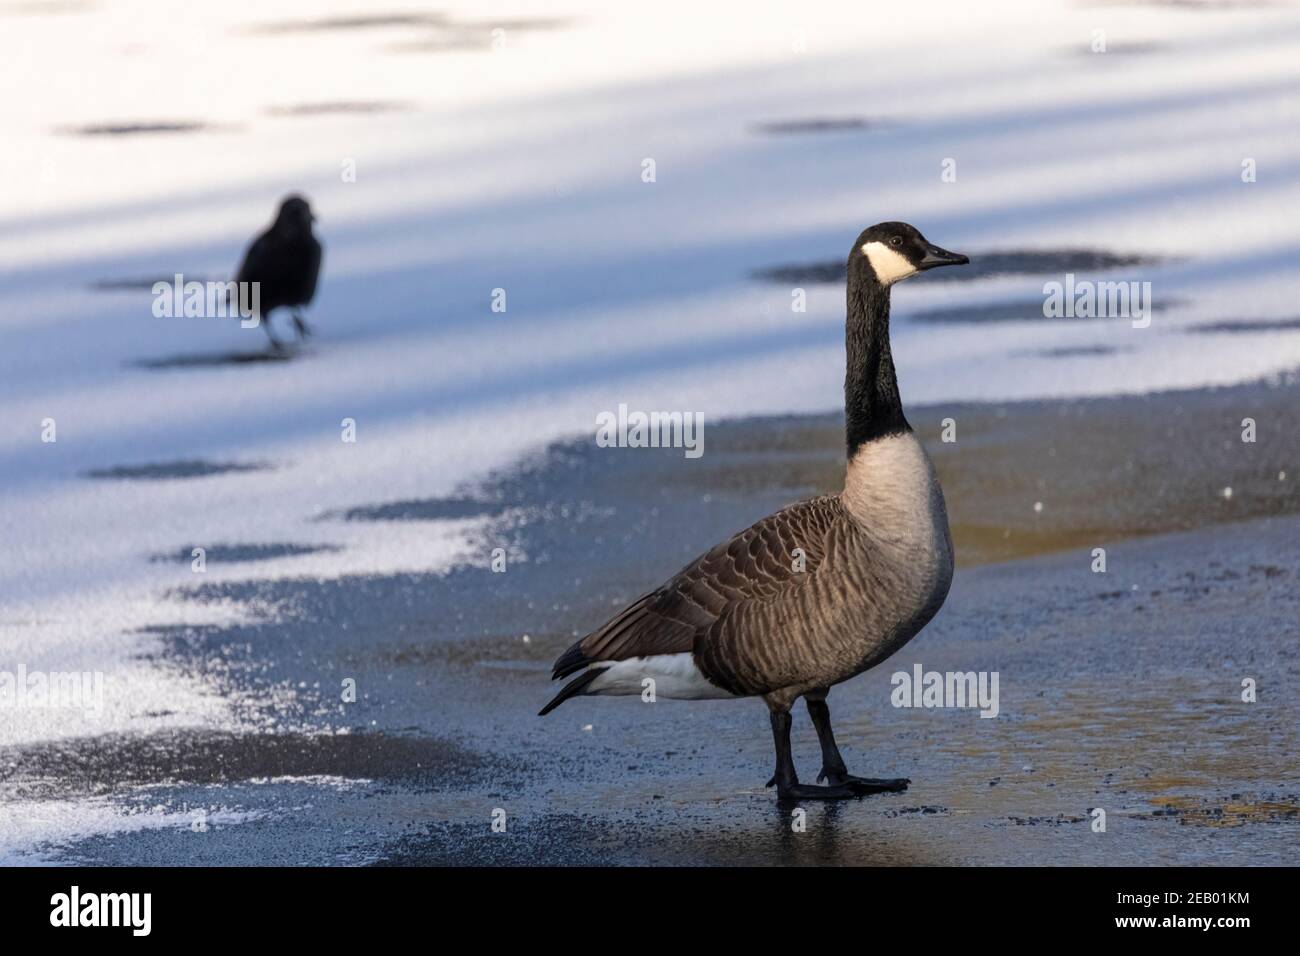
[752, 571]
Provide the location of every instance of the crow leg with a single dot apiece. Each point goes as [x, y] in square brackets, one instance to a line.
[276, 344]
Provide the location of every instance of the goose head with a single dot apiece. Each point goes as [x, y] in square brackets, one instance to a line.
[895, 250]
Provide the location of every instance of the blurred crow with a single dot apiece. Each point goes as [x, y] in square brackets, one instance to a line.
[285, 261]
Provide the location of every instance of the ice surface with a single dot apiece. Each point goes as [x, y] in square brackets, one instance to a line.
[520, 168]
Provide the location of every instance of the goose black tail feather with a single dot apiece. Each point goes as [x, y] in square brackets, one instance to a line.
[571, 689]
[570, 662]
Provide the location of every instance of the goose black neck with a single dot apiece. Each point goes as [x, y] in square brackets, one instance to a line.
[872, 407]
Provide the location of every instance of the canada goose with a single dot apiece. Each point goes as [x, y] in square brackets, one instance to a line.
[285, 262]
[875, 562]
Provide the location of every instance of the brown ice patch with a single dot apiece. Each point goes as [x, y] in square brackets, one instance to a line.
[1099, 470]
[1227, 813]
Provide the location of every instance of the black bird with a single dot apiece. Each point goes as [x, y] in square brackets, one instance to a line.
[285, 262]
[818, 592]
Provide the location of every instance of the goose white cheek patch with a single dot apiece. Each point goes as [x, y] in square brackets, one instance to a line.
[888, 265]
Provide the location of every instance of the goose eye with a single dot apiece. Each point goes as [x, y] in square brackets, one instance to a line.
[896, 241]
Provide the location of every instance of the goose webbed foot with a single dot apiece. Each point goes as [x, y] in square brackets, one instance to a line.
[806, 791]
[301, 327]
[833, 770]
[863, 785]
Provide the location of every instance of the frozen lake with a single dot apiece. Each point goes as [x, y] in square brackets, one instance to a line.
[466, 148]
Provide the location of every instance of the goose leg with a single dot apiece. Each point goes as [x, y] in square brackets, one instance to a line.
[787, 782]
[833, 769]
